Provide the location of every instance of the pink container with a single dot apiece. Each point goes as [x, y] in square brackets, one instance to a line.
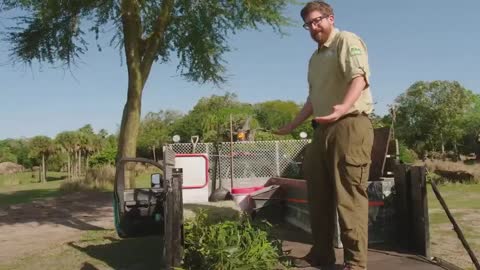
[241, 196]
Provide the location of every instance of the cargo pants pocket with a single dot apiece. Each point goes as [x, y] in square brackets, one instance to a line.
[356, 170]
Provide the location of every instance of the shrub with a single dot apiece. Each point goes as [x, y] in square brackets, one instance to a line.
[105, 157]
[101, 177]
[407, 155]
[228, 245]
[437, 179]
[97, 178]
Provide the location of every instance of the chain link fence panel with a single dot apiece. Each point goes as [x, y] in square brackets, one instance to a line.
[248, 163]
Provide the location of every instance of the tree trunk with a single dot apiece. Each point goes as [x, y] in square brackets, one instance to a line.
[69, 173]
[127, 141]
[443, 144]
[46, 168]
[87, 158]
[43, 178]
[74, 163]
[455, 151]
[79, 162]
[140, 54]
[154, 156]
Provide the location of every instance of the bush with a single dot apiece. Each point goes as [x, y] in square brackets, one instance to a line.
[57, 162]
[269, 136]
[407, 155]
[229, 245]
[98, 178]
[105, 157]
[437, 179]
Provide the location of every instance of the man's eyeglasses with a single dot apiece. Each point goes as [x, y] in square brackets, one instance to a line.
[316, 21]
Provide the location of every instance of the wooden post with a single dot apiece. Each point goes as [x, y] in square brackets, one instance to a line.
[177, 223]
[173, 209]
[420, 221]
[231, 153]
[168, 251]
[173, 213]
[401, 204]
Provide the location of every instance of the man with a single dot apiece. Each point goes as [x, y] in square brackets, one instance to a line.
[337, 162]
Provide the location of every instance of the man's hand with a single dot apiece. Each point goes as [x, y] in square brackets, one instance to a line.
[287, 129]
[338, 111]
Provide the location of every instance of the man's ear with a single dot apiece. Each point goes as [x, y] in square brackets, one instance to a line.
[331, 19]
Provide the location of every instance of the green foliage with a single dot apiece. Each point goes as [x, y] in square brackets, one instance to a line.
[471, 124]
[430, 114]
[57, 161]
[269, 136]
[15, 150]
[407, 155]
[154, 131]
[381, 121]
[276, 113]
[7, 155]
[41, 145]
[210, 118]
[97, 178]
[229, 245]
[20, 178]
[68, 140]
[105, 157]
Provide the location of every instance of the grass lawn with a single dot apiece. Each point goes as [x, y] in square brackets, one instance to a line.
[21, 187]
[9, 180]
[464, 204]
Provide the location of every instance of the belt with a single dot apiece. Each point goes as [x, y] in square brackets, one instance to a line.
[315, 124]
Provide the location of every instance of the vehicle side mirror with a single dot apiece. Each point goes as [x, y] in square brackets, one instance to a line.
[156, 180]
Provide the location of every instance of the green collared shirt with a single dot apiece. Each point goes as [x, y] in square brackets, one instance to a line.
[342, 58]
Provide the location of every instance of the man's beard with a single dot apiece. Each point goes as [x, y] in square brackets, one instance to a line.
[322, 36]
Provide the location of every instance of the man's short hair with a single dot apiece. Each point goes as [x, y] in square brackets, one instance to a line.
[320, 6]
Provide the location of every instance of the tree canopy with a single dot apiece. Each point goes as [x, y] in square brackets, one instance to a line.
[430, 114]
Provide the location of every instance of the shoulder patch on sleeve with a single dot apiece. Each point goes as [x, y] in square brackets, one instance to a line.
[354, 51]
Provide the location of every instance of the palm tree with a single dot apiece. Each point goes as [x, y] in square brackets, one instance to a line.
[68, 141]
[42, 147]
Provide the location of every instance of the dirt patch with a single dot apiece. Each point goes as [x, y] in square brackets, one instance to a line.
[32, 227]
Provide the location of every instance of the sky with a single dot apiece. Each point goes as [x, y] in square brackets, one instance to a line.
[407, 41]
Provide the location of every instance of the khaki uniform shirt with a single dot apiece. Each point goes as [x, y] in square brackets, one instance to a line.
[331, 68]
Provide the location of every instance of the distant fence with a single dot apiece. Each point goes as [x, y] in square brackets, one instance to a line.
[253, 162]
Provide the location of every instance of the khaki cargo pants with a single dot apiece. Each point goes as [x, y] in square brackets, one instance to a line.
[336, 167]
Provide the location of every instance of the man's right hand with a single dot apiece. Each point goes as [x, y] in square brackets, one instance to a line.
[285, 130]
[304, 113]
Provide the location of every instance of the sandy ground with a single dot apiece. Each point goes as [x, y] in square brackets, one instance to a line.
[32, 227]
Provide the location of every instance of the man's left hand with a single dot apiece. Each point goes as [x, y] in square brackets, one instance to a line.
[338, 111]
